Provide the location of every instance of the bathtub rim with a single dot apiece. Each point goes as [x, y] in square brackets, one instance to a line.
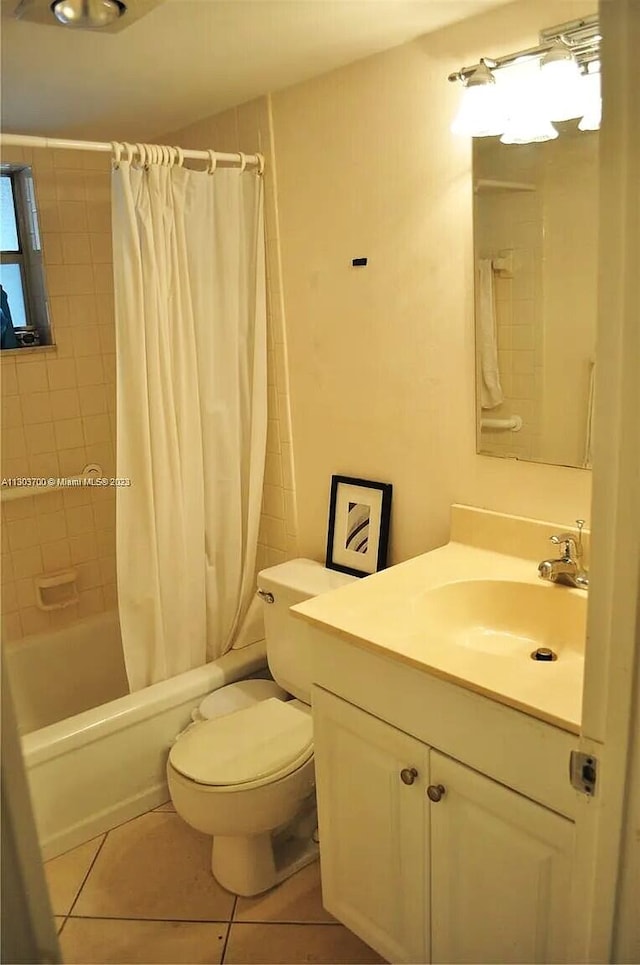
[84, 728]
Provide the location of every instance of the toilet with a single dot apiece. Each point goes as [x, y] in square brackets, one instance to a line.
[243, 772]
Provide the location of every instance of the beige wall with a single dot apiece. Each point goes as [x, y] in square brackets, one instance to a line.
[248, 129]
[382, 358]
[58, 404]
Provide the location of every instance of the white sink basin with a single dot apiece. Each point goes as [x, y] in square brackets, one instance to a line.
[473, 615]
[505, 618]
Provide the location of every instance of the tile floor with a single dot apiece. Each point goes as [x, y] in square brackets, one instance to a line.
[143, 893]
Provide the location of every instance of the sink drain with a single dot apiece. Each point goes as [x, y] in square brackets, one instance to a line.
[544, 654]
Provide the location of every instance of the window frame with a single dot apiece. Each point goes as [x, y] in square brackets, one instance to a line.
[29, 256]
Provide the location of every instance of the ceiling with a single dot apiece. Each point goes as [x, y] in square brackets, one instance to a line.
[189, 59]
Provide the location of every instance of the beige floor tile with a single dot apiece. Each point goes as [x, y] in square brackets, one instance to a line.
[296, 944]
[59, 921]
[66, 873]
[167, 806]
[298, 899]
[154, 867]
[94, 941]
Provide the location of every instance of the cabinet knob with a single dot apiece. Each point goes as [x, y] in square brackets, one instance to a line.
[435, 792]
[408, 775]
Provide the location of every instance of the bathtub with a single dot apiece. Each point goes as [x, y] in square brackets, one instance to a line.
[105, 765]
[59, 674]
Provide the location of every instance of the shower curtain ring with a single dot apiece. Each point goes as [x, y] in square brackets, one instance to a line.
[166, 155]
[260, 164]
[142, 154]
[129, 148]
[213, 161]
[117, 150]
[180, 159]
[243, 161]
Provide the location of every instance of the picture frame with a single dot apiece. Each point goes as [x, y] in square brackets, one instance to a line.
[358, 532]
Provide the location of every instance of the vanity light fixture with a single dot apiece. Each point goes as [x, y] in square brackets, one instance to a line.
[482, 111]
[555, 89]
[527, 119]
[593, 97]
[561, 84]
[88, 13]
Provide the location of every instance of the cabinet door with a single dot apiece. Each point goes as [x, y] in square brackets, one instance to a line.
[373, 836]
[500, 872]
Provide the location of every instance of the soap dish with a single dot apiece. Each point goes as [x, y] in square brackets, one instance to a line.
[57, 590]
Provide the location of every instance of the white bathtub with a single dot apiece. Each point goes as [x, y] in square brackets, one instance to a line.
[94, 770]
[62, 673]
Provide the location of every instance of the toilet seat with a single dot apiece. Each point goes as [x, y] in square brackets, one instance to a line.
[256, 745]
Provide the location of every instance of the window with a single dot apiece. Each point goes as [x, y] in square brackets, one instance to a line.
[23, 300]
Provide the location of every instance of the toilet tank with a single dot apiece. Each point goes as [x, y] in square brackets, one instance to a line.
[290, 583]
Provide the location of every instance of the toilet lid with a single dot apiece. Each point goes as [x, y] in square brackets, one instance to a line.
[232, 697]
[270, 738]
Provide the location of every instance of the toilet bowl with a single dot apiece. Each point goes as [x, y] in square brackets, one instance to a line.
[243, 771]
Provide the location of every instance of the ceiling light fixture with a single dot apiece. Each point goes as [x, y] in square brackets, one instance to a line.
[88, 13]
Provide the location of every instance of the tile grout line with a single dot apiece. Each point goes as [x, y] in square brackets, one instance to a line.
[84, 880]
[90, 869]
[229, 924]
[202, 921]
[183, 921]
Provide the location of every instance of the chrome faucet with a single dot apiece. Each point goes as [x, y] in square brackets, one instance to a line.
[568, 568]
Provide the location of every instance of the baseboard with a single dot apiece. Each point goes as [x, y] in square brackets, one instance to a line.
[104, 820]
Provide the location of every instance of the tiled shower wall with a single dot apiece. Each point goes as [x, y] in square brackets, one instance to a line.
[58, 403]
[248, 128]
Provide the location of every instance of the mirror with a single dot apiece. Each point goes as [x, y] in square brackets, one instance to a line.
[535, 245]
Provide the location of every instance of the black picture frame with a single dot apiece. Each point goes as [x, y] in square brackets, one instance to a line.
[359, 520]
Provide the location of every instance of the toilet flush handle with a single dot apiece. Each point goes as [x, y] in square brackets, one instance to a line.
[266, 596]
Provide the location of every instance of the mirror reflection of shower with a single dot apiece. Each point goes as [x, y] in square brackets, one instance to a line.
[535, 224]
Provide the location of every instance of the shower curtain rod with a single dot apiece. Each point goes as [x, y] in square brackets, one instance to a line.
[28, 140]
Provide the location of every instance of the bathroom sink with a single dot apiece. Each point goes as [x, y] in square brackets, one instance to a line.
[473, 612]
[505, 618]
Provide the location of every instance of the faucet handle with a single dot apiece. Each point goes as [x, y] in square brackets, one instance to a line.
[572, 548]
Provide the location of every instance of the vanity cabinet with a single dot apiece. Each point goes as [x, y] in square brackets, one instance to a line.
[480, 875]
[373, 837]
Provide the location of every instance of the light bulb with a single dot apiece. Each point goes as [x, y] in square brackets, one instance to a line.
[560, 83]
[87, 13]
[482, 111]
[527, 120]
[593, 101]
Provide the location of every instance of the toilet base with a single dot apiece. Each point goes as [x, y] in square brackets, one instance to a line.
[252, 864]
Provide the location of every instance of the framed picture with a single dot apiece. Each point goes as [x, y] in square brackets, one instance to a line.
[359, 515]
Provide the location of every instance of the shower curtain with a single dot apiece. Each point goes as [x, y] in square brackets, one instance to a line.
[191, 410]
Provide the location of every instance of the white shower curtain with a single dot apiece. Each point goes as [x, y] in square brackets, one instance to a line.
[191, 433]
